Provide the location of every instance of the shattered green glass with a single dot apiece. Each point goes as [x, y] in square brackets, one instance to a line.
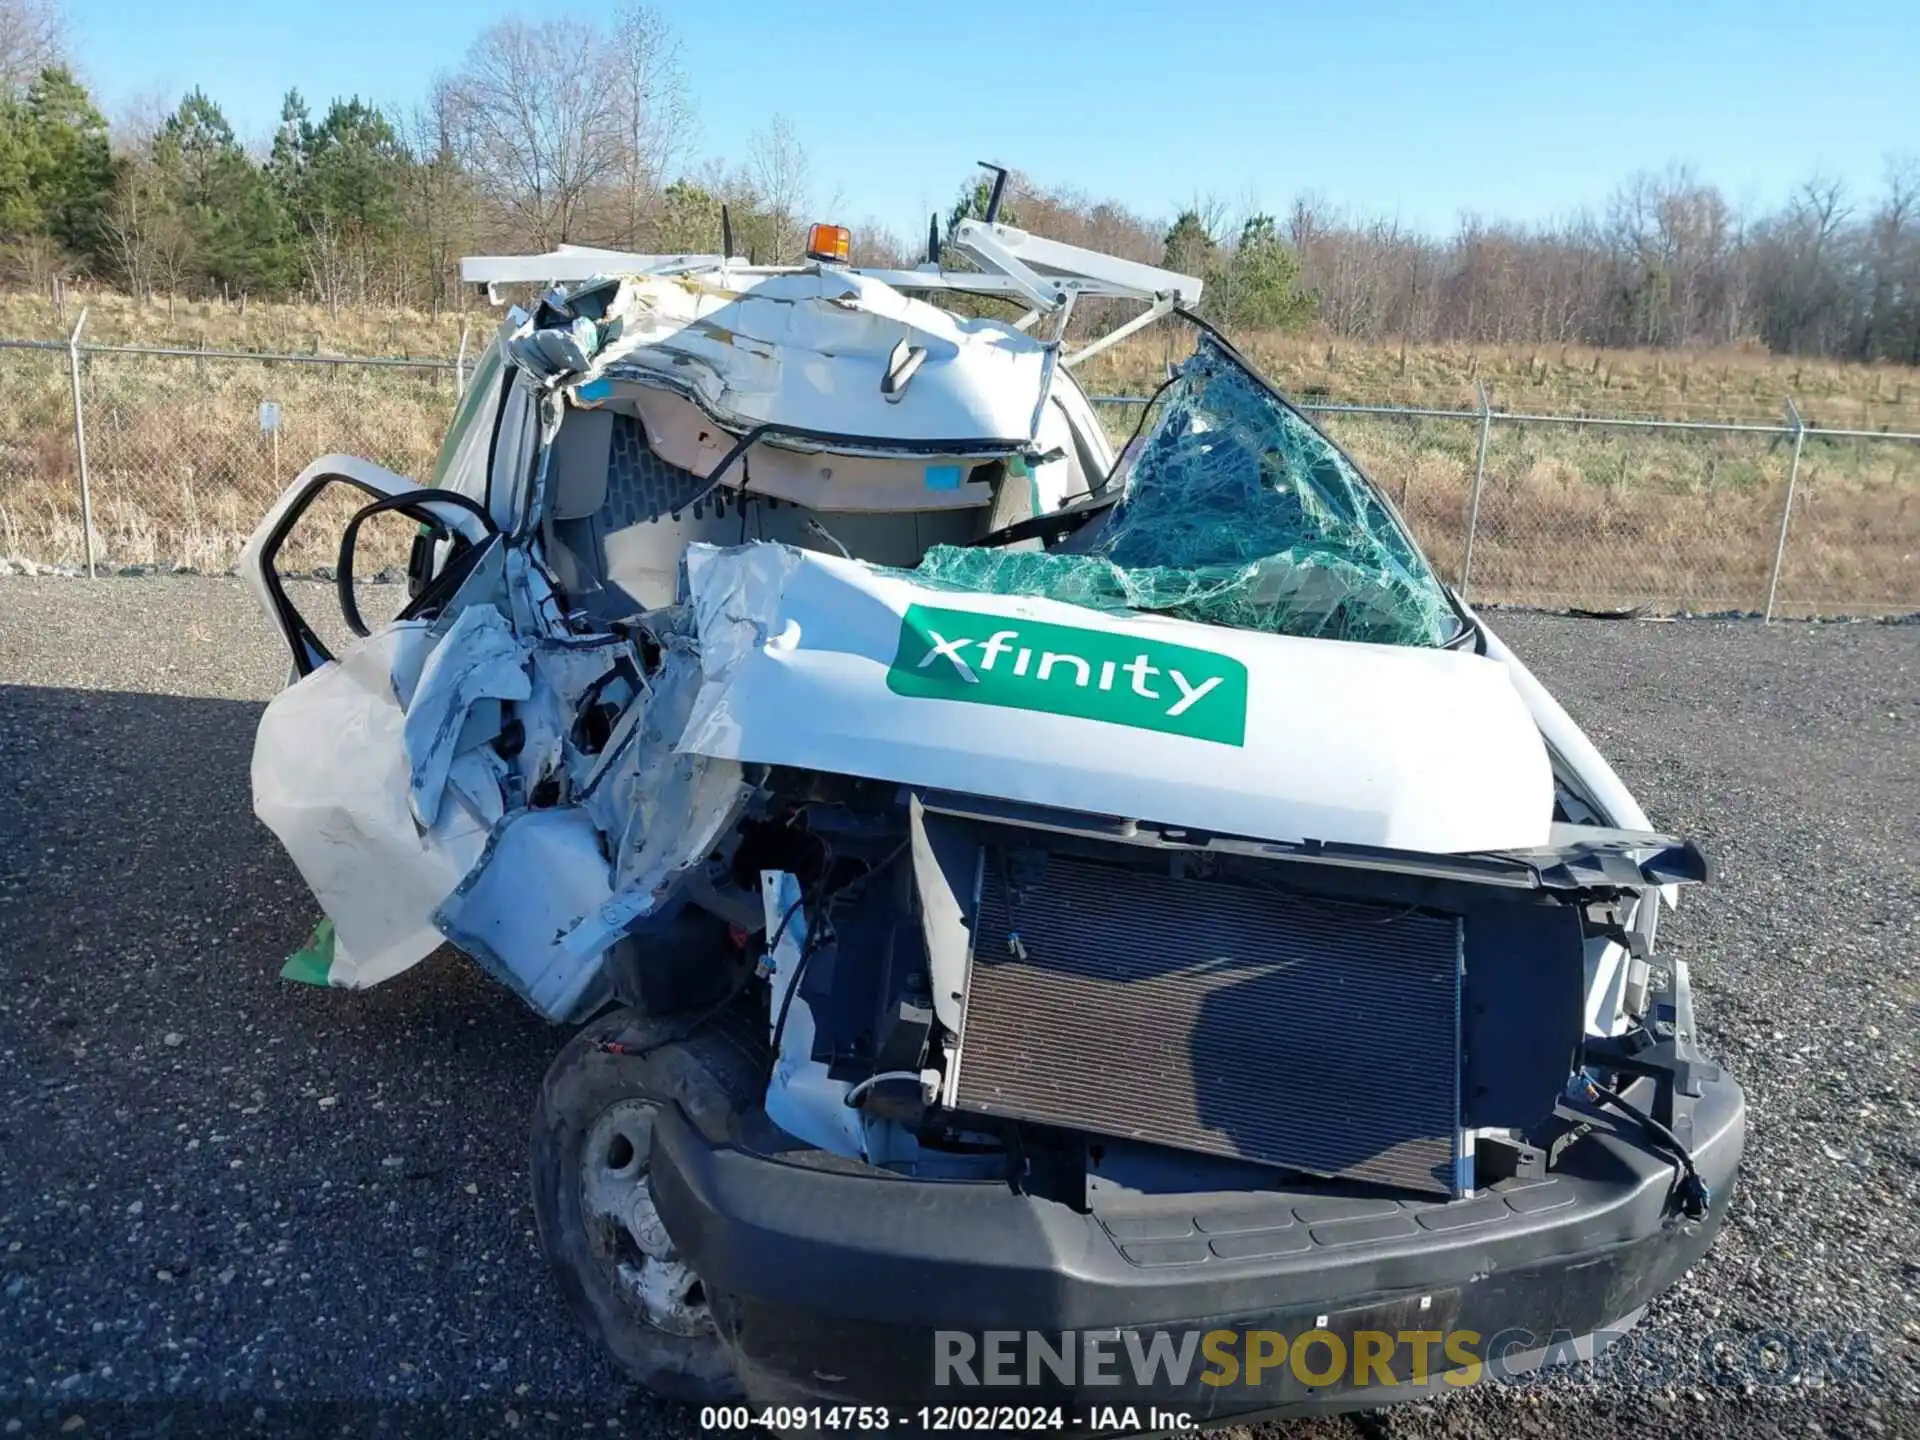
[1237, 512]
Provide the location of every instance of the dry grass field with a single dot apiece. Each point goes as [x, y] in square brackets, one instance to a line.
[286, 329]
[1593, 516]
[1741, 383]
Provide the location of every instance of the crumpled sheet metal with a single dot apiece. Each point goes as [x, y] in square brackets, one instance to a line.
[662, 809]
[568, 329]
[1237, 512]
[477, 660]
[542, 871]
[558, 886]
[380, 776]
[810, 350]
[561, 676]
[640, 791]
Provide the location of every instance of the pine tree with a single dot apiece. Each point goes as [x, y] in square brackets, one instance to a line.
[1190, 250]
[77, 179]
[56, 170]
[1260, 283]
[243, 234]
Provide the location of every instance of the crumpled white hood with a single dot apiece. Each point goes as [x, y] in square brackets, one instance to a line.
[834, 666]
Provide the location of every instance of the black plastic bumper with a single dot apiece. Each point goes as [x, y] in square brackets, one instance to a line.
[844, 1285]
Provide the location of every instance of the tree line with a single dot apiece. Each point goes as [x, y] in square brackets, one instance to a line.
[572, 130]
[1667, 261]
[551, 131]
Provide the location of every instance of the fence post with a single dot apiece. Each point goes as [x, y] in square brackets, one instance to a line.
[460, 365]
[1479, 479]
[1786, 510]
[80, 437]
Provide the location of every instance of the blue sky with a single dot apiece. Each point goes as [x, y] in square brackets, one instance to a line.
[1421, 111]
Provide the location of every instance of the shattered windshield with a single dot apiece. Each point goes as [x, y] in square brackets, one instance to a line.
[1236, 512]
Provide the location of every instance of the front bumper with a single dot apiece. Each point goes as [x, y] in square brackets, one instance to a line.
[836, 1284]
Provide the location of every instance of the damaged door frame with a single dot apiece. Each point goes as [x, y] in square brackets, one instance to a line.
[448, 511]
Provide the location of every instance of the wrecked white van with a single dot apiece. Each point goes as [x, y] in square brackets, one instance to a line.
[1006, 887]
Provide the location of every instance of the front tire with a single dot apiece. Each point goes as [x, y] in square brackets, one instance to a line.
[591, 1145]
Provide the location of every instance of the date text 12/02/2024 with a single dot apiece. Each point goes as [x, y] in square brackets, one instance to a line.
[867, 1419]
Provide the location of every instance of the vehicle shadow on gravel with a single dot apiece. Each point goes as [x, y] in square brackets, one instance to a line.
[219, 1181]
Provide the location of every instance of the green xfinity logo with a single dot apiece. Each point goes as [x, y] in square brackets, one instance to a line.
[1065, 670]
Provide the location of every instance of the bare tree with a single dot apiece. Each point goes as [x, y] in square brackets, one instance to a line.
[33, 35]
[878, 245]
[541, 124]
[1669, 234]
[150, 243]
[441, 203]
[328, 257]
[1803, 279]
[32, 262]
[777, 166]
[1891, 326]
[138, 120]
[128, 229]
[652, 110]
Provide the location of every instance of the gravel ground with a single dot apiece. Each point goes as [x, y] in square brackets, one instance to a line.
[221, 1193]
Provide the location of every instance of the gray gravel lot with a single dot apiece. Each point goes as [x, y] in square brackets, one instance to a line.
[221, 1193]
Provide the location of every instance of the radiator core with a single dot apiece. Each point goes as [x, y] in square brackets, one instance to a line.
[1317, 1034]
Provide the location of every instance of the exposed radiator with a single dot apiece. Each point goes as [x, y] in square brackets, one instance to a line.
[1321, 1035]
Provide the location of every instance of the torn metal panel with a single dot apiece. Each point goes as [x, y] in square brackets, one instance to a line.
[832, 665]
[332, 780]
[495, 783]
[541, 872]
[642, 792]
[557, 887]
[563, 677]
[946, 879]
[688, 803]
[558, 349]
[531, 601]
[478, 660]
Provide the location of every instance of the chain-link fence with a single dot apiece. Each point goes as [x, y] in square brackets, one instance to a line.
[179, 452]
[1617, 512]
[186, 454]
[39, 486]
[185, 450]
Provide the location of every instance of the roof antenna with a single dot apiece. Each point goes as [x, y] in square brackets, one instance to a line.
[726, 234]
[933, 239]
[999, 189]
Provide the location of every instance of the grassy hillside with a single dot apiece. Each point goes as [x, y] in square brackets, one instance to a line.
[1726, 384]
[1569, 516]
[1733, 383]
[116, 319]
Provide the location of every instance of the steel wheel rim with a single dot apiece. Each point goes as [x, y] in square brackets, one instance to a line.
[628, 1238]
